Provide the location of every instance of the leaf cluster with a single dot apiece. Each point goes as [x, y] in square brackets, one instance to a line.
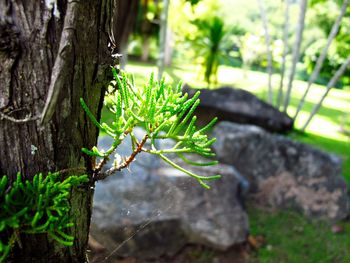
[163, 112]
[34, 207]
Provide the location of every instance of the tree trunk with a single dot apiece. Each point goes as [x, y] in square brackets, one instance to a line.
[342, 125]
[296, 50]
[323, 55]
[285, 52]
[268, 50]
[162, 38]
[330, 85]
[44, 44]
[168, 51]
[124, 25]
[146, 48]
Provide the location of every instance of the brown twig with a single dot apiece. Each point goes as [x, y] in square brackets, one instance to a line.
[126, 163]
[105, 159]
[101, 164]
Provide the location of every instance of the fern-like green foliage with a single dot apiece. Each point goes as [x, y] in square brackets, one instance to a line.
[163, 112]
[34, 207]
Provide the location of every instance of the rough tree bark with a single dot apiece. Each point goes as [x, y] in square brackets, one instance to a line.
[30, 46]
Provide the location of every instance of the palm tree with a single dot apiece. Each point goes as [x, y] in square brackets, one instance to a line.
[212, 45]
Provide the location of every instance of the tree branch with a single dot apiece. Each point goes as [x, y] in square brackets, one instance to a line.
[100, 176]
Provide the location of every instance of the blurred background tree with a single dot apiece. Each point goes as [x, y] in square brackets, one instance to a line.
[143, 41]
[276, 38]
[211, 45]
[323, 15]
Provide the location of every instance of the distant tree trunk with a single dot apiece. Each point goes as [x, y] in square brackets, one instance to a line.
[343, 123]
[124, 58]
[124, 24]
[296, 50]
[268, 49]
[330, 85]
[285, 52]
[162, 38]
[60, 44]
[146, 48]
[322, 56]
[146, 33]
[168, 48]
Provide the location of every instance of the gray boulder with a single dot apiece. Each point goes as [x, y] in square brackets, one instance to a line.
[284, 173]
[154, 210]
[240, 106]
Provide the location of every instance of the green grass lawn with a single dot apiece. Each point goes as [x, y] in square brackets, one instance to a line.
[292, 238]
[289, 236]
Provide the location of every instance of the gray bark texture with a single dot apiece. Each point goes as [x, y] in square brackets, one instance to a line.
[51, 47]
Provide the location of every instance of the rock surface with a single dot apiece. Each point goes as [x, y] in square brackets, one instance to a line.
[284, 173]
[237, 105]
[155, 210]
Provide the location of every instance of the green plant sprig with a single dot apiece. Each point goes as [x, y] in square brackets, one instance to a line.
[163, 112]
[34, 207]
